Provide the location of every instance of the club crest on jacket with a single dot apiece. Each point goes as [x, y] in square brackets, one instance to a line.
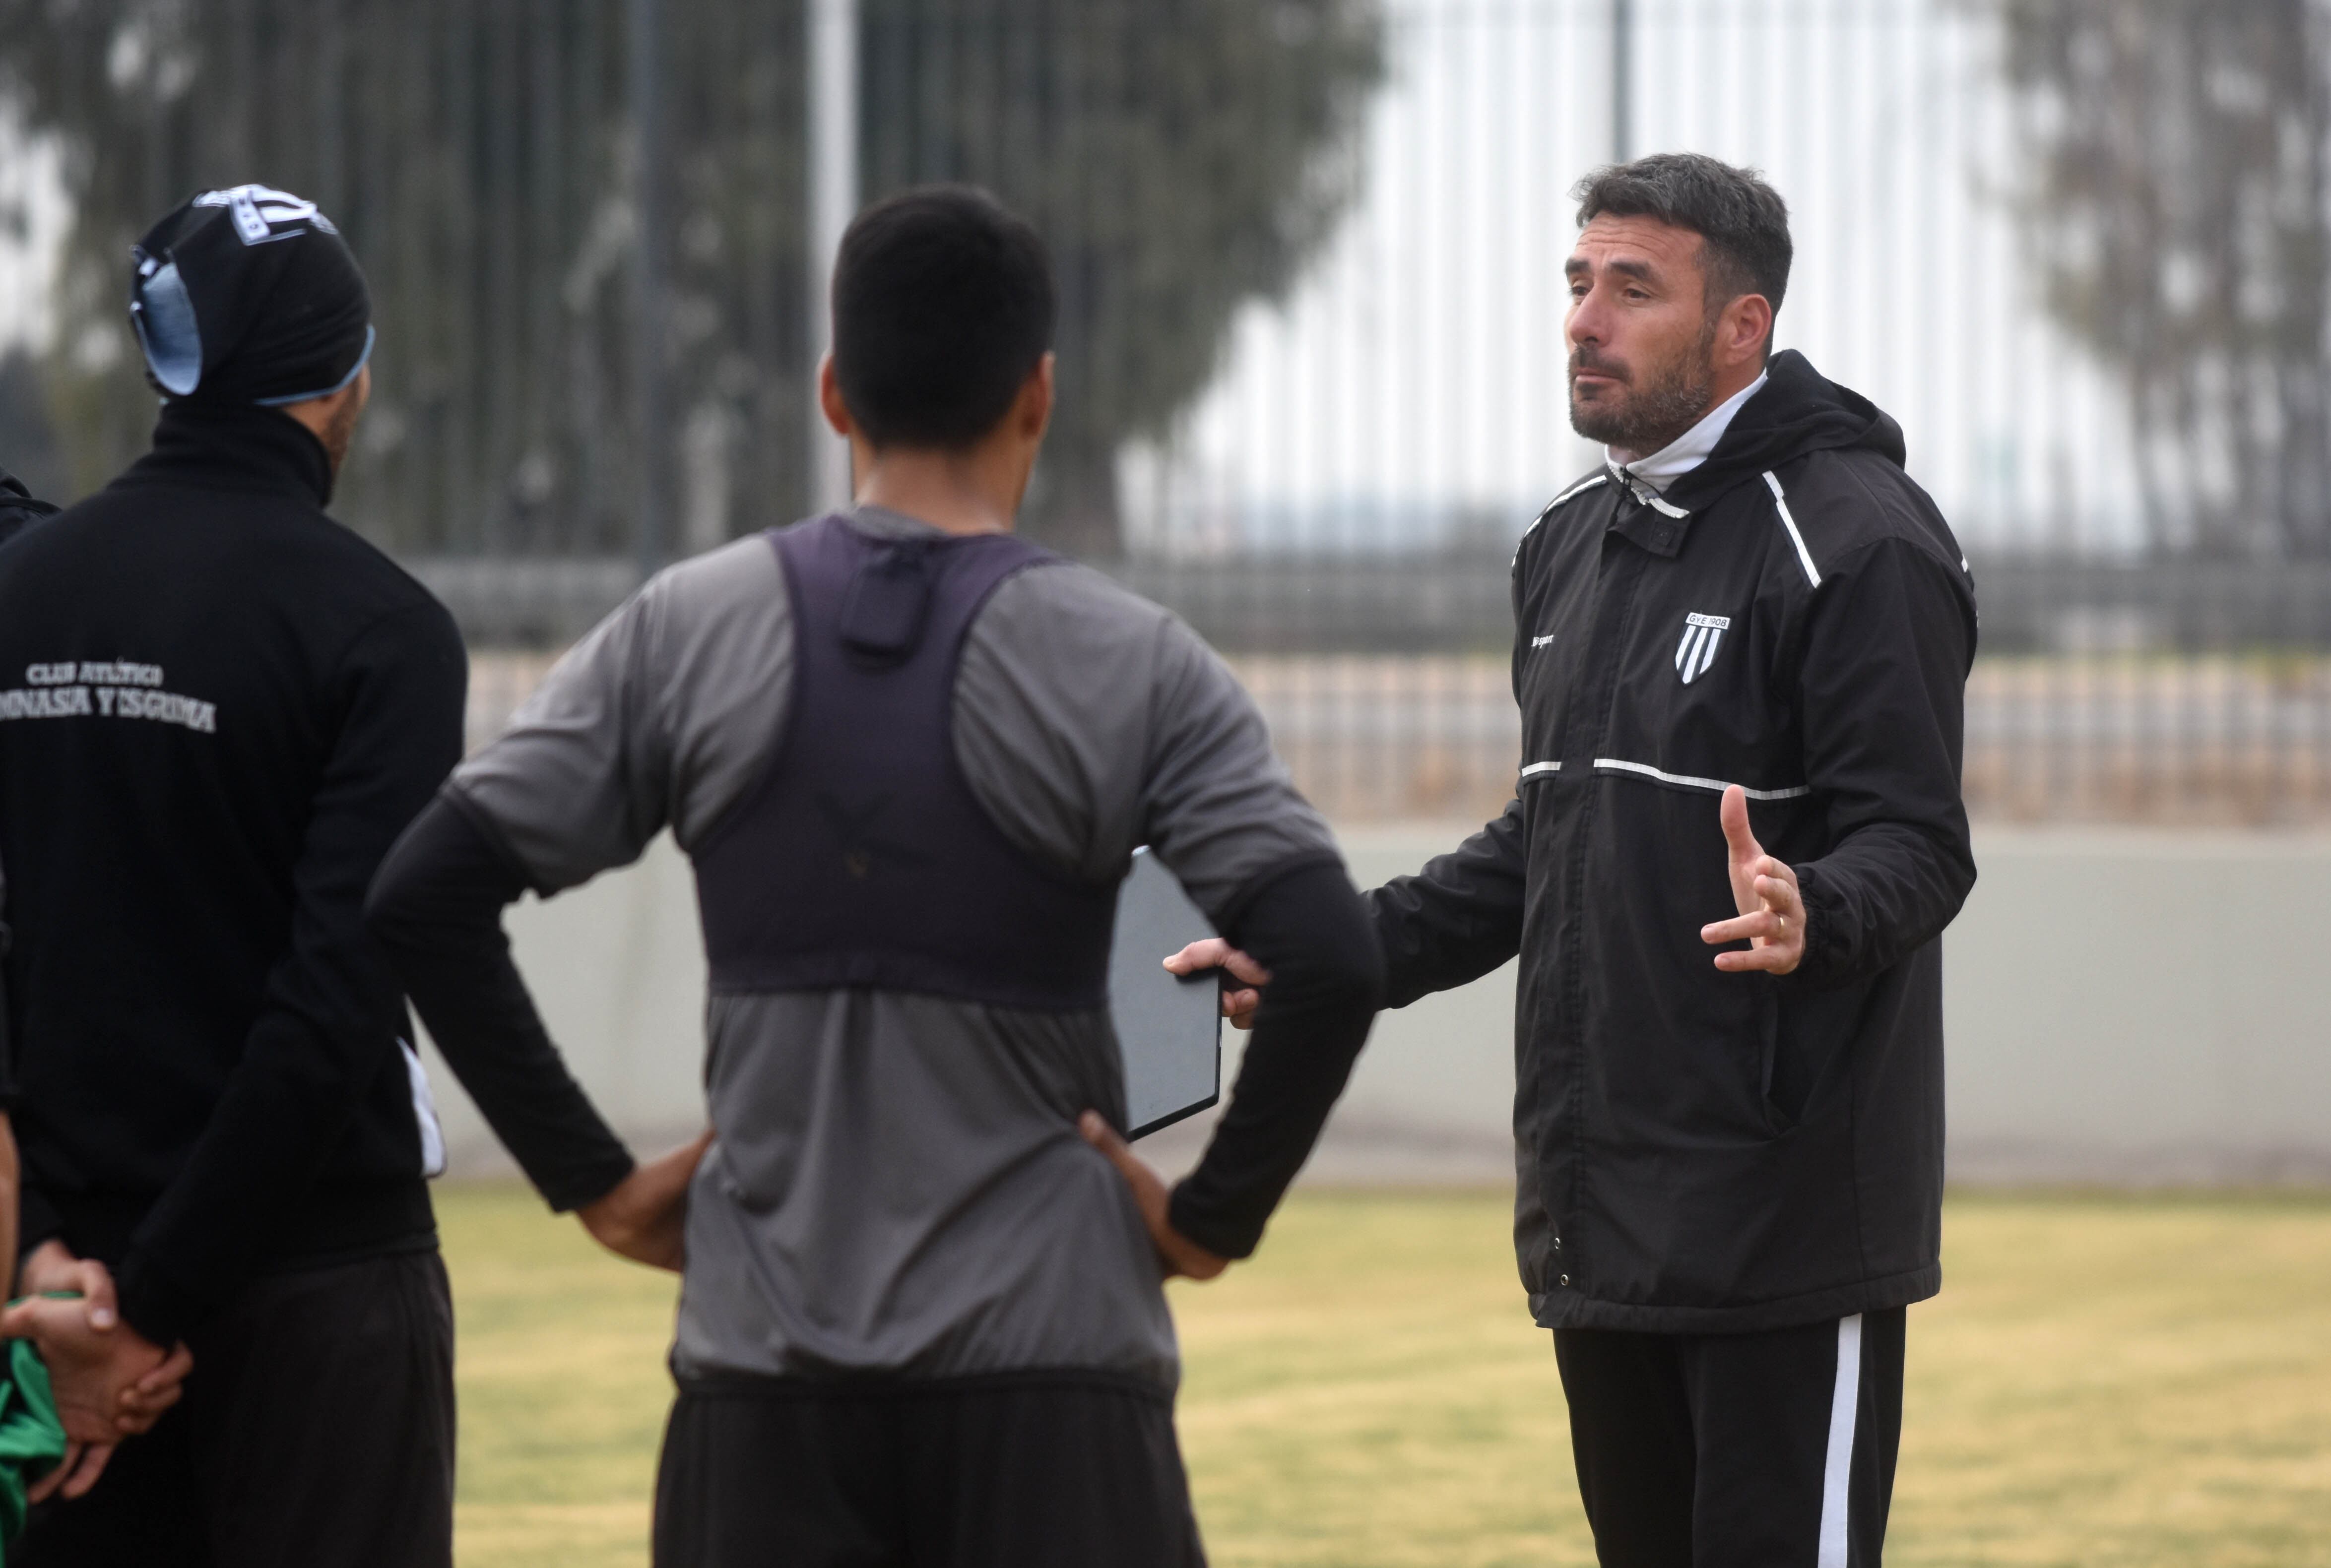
[1696, 651]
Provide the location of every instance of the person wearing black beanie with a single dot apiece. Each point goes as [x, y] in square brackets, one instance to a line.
[218, 708]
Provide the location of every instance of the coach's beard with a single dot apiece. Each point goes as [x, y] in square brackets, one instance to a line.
[1640, 421]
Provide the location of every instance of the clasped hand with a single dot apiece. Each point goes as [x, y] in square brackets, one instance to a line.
[1177, 1253]
[110, 1381]
[645, 1217]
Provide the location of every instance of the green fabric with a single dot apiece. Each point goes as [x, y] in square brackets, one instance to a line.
[32, 1437]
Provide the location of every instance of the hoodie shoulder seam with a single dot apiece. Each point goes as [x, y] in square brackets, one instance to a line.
[1600, 476]
[1814, 502]
[1581, 488]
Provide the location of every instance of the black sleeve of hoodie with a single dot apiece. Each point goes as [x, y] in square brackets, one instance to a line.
[1459, 917]
[37, 1219]
[1887, 645]
[1311, 930]
[315, 1046]
[18, 508]
[436, 910]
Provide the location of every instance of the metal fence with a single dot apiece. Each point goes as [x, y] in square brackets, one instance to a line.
[1311, 256]
[2176, 695]
[2172, 694]
[2224, 741]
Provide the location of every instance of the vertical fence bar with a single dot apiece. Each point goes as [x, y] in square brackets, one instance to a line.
[833, 156]
[651, 304]
[1623, 80]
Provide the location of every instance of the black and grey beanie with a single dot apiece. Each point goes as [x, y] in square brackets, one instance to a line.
[249, 296]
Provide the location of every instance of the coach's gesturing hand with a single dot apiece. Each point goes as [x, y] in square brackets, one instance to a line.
[1176, 1252]
[645, 1217]
[1771, 910]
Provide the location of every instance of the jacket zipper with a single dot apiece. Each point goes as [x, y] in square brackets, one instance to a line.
[1608, 641]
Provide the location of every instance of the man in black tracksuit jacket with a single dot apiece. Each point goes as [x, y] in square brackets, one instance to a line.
[1741, 1171]
[1740, 652]
[218, 708]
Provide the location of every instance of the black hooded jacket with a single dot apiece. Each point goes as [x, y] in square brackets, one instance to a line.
[218, 708]
[1701, 1151]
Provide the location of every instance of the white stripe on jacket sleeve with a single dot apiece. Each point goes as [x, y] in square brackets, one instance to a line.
[1804, 556]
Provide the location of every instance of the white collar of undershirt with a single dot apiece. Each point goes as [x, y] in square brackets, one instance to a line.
[1690, 449]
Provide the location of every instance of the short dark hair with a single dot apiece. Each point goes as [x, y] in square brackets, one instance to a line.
[943, 305]
[1742, 222]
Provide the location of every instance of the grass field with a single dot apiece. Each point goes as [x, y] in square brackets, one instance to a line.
[2103, 1382]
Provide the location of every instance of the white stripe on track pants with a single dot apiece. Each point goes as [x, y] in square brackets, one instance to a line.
[1736, 1450]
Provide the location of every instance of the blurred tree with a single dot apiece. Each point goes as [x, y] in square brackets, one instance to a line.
[477, 157]
[2177, 193]
[28, 442]
[1182, 158]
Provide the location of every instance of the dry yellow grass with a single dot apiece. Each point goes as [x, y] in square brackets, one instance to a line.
[2102, 1383]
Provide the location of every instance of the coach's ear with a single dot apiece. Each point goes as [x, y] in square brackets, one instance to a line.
[830, 401]
[1177, 1253]
[1032, 410]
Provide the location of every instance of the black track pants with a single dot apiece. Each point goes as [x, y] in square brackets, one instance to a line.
[317, 1431]
[1736, 1450]
[1035, 1470]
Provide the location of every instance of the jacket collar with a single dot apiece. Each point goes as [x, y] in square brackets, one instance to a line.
[235, 448]
[1687, 450]
[1797, 412]
[1649, 522]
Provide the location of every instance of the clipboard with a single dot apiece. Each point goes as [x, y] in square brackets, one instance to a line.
[1169, 1027]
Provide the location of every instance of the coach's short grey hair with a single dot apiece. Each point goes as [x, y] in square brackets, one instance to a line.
[1743, 221]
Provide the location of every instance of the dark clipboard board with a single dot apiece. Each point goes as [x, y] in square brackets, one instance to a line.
[1168, 1026]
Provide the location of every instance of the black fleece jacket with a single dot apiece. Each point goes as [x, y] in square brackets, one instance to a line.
[1705, 1152]
[218, 708]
